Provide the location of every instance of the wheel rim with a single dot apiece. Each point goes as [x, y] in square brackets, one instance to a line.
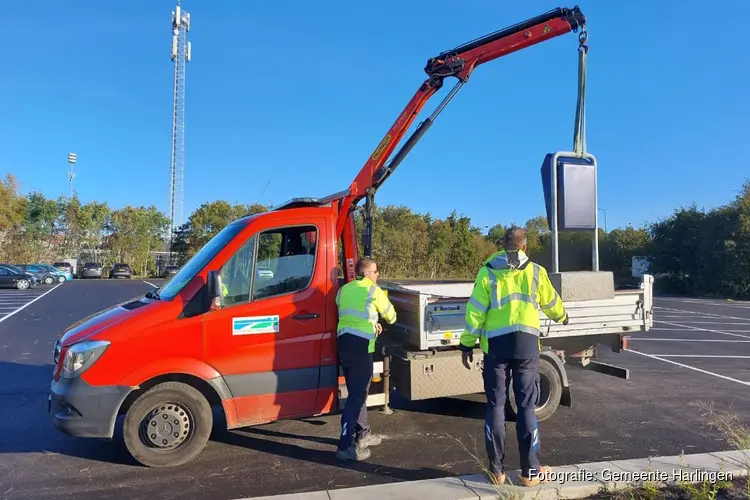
[23, 284]
[61, 279]
[166, 427]
[48, 280]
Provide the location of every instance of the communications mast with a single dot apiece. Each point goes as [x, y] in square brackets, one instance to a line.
[180, 56]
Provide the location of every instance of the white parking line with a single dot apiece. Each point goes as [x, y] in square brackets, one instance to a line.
[28, 303]
[707, 315]
[691, 323]
[737, 305]
[714, 323]
[700, 356]
[146, 282]
[631, 339]
[706, 330]
[689, 367]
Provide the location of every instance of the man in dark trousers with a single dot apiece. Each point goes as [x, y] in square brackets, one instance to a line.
[360, 303]
[503, 312]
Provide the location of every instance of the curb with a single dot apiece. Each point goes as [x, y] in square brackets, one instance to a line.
[567, 481]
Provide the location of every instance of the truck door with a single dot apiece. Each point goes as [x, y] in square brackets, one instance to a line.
[267, 339]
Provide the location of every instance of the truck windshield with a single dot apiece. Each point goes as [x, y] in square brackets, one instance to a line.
[192, 267]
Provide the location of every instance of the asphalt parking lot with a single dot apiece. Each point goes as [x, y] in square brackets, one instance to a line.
[697, 352]
[13, 301]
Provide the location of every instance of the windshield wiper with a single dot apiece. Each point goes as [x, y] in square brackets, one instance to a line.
[153, 294]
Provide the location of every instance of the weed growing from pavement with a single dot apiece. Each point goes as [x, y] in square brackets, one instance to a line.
[735, 433]
[728, 424]
[502, 490]
[737, 436]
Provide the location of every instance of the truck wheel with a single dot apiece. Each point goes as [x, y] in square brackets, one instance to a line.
[550, 391]
[168, 425]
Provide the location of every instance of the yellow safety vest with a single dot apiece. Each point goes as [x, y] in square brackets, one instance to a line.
[507, 297]
[359, 303]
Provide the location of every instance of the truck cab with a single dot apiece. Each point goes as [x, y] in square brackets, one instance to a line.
[219, 333]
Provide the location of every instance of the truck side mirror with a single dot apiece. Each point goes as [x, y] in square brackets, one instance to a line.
[214, 295]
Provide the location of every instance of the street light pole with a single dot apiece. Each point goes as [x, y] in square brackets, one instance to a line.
[71, 173]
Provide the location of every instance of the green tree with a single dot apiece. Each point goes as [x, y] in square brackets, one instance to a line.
[12, 215]
[495, 235]
[619, 247]
[210, 218]
[134, 233]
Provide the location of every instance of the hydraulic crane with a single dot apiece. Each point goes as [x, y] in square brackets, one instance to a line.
[458, 63]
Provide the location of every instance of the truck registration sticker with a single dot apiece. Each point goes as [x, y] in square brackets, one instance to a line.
[255, 324]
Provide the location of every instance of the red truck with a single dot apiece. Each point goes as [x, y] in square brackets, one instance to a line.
[248, 324]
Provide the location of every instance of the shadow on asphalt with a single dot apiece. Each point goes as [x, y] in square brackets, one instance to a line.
[246, 438]
[446, 407]
[26, 428]
[23, 399]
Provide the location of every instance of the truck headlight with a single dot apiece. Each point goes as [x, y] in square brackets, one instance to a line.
[79, 357]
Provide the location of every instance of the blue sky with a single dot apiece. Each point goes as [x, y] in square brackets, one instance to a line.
[300, 93]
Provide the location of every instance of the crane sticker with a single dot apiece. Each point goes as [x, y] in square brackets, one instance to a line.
[381, 147]
[255, 324]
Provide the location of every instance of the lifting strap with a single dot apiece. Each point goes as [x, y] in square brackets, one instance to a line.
[579, 132]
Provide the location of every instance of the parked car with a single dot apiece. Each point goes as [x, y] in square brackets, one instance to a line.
[169, 271]
[16, 277]
[121, 270]
[64, 266]
[91, 270]
[45, 276]
[264, 271]
[62, 276]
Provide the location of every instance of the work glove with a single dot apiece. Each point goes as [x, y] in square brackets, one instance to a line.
[467, 357]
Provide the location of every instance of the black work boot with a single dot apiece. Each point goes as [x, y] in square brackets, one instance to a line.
[354, 452]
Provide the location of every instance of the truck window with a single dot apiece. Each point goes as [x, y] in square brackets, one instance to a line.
[286, 260]
[235, 274]
[192, 267]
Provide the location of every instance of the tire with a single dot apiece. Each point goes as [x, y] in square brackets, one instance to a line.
[550, 392]
[23, 284]
[48, 280]
[61, 279]
[176, 400]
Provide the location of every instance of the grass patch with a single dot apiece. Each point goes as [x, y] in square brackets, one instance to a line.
[711, 487]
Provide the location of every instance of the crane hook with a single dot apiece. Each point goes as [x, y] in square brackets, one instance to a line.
[583, 36]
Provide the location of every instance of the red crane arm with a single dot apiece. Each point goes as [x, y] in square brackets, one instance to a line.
[459, 63]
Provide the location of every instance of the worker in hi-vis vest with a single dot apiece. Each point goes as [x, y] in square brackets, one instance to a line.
[503, 312]
[360, 303]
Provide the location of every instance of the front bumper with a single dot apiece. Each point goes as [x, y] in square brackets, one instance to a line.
[82, 410]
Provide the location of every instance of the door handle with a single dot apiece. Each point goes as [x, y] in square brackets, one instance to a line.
[306, 316]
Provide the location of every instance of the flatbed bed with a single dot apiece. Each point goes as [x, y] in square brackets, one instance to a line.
[419, 358]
